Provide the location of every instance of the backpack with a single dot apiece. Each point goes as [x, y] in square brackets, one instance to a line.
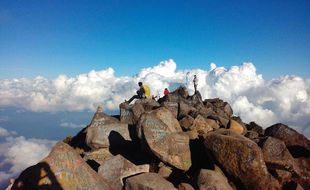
[147, 91]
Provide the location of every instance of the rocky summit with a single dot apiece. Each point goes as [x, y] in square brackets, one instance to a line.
[179, 142]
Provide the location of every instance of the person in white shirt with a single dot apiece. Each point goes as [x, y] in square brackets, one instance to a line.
[195, 81]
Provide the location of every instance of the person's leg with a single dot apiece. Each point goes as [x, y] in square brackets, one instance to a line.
[133, 97]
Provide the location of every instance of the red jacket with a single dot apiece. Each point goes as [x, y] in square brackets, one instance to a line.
[166, 92]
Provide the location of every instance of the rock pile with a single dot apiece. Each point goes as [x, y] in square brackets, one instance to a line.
[183, 143]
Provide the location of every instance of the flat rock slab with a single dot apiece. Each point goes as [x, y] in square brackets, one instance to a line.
[148, 181]
[100, 135]
[164, 136]
[241, 158]
[62, 169]
[117, 168]
[99, 155]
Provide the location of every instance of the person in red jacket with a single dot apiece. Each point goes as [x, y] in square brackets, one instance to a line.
[166, 92]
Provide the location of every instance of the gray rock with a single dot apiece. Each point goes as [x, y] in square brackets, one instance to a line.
[62, 169]
[117, 168]
[148, 181]
[212, 179]
[98, 134]
[241, 158]
[164, 136]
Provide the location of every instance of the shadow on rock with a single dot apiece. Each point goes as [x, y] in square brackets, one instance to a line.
[39, 176]
[128, 149]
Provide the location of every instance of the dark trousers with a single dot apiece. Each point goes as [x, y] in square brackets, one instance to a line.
[134, 97]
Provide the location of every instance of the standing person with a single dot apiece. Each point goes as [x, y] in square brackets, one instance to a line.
[195, 80]
[140, 94]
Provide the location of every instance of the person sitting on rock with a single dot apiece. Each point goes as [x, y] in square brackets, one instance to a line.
[166, 92]
[140, 94]
[165, 97]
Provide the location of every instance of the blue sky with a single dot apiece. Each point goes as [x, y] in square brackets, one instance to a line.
[49, 38]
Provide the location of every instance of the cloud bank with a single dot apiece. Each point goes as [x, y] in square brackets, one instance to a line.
[284, 99]
[18, 153]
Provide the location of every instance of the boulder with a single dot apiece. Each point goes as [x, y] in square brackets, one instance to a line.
[117, 168]
[200, 125]
[212, 179]
[164, 170]
[148, 181]
[298, 144]
[253, 135]
[99, 155]
[172, 106]
[304, 165]
[196, 98]
[193, 134]
[185, 186]
[186, 122]
[148, 104]
[62, 169]
[181, 91]
[164, 136]
[137, 110]
[102, 118]
[227, 109]
[235, 127]
[255, 127]
[240, 158]
[277, 156]
[213, 123]
[126, 114]
[102, 135]
[185, 109]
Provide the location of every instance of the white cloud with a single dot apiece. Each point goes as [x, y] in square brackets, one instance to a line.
[4, 132]
[18, 153]
[71, 125]
[284, 99]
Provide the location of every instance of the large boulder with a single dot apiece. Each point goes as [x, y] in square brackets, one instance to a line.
[201, 125]
[298, 144]
[212, 179]
[173, 107]
[255, 127]
[304, 165]
[181, 91]
[99, 155]
[164, 136]
[185, 186]
[186, 122]
[98, 133]
[117, 168]
[137, 110]
[62, 169]
[185, 109]
[241, 158]
[221, 108]
[213, 123]
[103, 135]
[148, 181]
[278, 158]
[236, 127]
[126, 114]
